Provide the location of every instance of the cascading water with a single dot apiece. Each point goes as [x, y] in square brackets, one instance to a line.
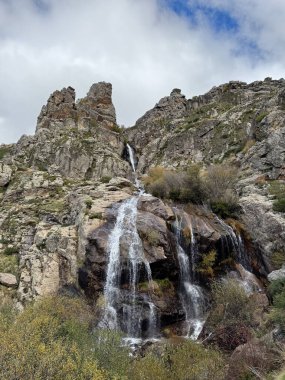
[191, 295]
[236, 244]
[138, 313]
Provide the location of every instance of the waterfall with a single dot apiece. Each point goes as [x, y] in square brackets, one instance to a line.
[133, 164]
[192, 297]
[132, 157]
[236, 244]
[125, 308]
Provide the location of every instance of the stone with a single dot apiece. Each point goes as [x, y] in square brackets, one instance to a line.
[5, 174]
[278, 274]
[60, 106]
[8, 280]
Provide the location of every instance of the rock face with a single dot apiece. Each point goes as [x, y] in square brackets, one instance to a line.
[75, 140]
[60, 191]
[60, 106]
[5, 174]
[236, 123]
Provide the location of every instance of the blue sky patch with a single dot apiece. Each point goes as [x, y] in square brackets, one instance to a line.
[219, 20]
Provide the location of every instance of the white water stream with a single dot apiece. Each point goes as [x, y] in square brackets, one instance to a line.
[192, 297]
[126, 308]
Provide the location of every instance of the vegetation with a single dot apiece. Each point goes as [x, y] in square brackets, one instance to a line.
[4, 150]
[261, 116]
[49, 340]
[152, 236]
[277, 190]
[277, 259]
[205, 267]
[231, 304]
[106, 179]
[277, 291]
[187, 360]
[214, 186]
[53, 339]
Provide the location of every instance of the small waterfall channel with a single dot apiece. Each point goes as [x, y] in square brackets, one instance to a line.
[233, 241]
[125, 308]
[191, 294]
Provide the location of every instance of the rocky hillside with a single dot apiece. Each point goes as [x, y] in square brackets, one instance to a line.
[236, 123]
[63, 191]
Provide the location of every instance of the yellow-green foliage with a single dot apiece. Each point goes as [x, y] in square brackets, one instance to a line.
[277, 189]
[261, 116]
[277, 259]
[3, 151]
[205, 267]
[152, 236]
[9, 264]
[249, 144]
[54, 206]
[230, 305]
[49, 340]
[186, 360]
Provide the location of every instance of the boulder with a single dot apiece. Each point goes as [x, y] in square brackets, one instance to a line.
[9, 280]
[5, 174]
[278, 274]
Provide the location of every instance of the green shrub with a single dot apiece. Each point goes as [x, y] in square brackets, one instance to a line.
[96, 215]
[261, 116]
[277, 189]
[225, 210]
[231, 304]
[10, 251]
[205, 267]
[49, 340]
[106, 179]
[152, 236]
[279, 205]
[4, 150]
[277, 292]
[277, 259]
[88, 203]
[187, 360]
[9, 264]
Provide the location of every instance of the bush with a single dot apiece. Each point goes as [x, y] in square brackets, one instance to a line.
[10, 251]
[231, 304]
[205, 267]
[279, 205]
[216, 186]
[4, 150]
[49, 340]
[219, 183]
[181, 186]
[277, 314]
[277, 189]
[106, 179]
[187, 360]
[277, 259]
[225, 210]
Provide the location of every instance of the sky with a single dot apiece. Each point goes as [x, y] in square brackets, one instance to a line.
[145, 48]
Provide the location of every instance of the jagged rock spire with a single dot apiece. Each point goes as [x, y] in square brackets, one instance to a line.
[97, 107]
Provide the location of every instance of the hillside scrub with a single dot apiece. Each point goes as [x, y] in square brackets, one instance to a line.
[214, 186]
[53, 339]
[229, 321]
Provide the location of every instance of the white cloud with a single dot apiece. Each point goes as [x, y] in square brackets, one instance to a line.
[141, 47]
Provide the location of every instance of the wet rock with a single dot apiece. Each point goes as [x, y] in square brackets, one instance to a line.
[156, 207]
